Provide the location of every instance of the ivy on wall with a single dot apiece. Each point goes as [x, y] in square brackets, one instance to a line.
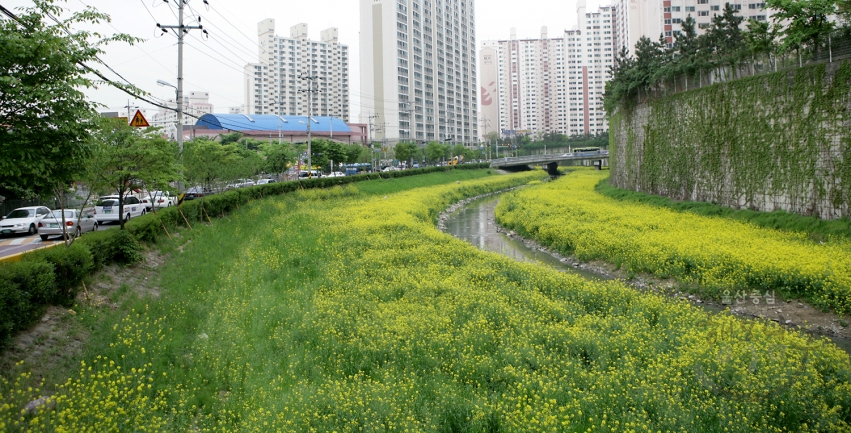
[775, 141]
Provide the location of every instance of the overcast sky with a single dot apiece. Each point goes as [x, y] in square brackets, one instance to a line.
[215, 65]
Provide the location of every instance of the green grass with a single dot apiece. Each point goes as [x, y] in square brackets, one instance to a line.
[389, 186]
[345, 310]
[817, 229]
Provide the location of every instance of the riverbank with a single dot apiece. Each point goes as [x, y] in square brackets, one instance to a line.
[791, 314]
[346, 310]
[708, 260]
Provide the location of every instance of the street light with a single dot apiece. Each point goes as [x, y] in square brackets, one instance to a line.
[179, 128]
[309, 161]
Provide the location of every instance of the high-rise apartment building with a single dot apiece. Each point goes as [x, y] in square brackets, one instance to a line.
[418, 70]
[195, 104]
[652, 18]
[272, 85]
[548, 85]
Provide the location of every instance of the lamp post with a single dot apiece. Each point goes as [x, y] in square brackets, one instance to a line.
[179, 128]
[309, 161]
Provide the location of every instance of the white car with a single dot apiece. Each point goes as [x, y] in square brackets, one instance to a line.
[389, 168]
[23, 220]
[158, 199]
[265, 181]
[336, 174]
[240, 183]
[51, 225]
[107, 208]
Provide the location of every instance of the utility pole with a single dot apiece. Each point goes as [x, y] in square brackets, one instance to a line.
[485, 123]
[128, 107]
[180, 30]
[372, 138]
[311, 89]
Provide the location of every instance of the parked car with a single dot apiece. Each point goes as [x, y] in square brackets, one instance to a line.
[265, 181]
[23, 220]
[196, 192]
[240, 183]
[304, 174]
[158, 199]
[51, 225]
[107, 208]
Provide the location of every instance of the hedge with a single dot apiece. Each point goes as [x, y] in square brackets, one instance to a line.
[52, 276]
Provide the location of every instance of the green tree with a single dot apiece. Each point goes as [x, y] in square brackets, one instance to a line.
[805, 22]
[404, 151]
[435, 151]
[45, 116]
[230, 137]
[279, 156]
[206, 161]
[123, 156]
[353, 152]
[760, 37]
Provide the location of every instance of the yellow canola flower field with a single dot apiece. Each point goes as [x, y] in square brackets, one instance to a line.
[346, 311]
[717, 254]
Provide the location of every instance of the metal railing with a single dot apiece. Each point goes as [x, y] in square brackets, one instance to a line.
[834, 50]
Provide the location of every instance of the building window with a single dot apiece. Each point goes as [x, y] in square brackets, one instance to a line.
[715, 8]
[689, 8]
[703, 14]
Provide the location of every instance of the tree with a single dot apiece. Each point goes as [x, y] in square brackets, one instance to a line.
[123, 156]
[206, 160]
[435, 151]
[279, 156]
[760, 37]
[404, 151]
[807, 21]
[44, 114]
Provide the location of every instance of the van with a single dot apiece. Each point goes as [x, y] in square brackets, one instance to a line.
[309, 174]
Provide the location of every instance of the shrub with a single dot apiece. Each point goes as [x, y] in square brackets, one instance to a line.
[70, 266]
[26, 287]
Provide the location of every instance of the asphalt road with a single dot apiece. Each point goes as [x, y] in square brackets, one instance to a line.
[14, 244]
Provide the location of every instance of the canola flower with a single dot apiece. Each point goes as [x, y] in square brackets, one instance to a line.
[715, 253]
[342, 311]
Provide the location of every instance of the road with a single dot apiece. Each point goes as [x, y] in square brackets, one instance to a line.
[14, 244]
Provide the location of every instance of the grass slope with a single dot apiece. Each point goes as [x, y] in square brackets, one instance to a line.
[817, 229]
[344, 310]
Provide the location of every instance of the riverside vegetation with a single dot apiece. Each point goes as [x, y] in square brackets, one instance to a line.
[345, 310]
[716, 254]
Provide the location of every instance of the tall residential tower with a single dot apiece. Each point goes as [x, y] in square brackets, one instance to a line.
[550, 85]
[418, 70]
[272, 85]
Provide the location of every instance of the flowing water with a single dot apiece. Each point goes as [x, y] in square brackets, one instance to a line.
[475, 224]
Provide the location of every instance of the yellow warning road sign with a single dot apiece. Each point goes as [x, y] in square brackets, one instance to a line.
[139, 120]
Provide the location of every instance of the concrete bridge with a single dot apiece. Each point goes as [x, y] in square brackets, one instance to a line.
[551, 161]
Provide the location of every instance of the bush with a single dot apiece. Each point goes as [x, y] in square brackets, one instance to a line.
[70, 266]
[26, 287]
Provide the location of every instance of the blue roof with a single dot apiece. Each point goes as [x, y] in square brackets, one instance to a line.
[271, 122]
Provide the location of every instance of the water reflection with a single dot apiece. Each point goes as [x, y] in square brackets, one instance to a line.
[475, 224]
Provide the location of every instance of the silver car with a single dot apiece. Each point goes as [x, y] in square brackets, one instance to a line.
[51, 225]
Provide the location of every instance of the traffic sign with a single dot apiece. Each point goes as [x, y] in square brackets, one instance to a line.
[139, 120]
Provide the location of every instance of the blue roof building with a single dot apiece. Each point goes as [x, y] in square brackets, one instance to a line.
[289, 128]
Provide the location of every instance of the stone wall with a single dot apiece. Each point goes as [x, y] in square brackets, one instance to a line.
[779, 141]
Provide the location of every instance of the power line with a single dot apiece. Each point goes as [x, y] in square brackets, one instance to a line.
[235, 27]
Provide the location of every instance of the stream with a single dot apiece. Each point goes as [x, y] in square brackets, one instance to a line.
[475, 223]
